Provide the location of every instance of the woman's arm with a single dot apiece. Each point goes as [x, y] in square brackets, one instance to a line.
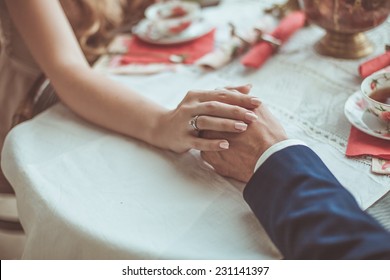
[49, 36]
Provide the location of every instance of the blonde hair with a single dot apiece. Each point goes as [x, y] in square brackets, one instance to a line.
[95, 21]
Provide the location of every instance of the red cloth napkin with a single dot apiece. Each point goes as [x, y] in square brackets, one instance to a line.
[360, 143]
[263, 50]
[375, 64]
[145, 53]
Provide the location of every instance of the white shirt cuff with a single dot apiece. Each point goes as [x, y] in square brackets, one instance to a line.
[276, 148]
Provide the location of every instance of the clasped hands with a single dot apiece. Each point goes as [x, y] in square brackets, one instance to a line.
[239, 161]
[231, 129]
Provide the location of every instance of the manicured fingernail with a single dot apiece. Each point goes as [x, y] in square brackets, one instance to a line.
[251, 116]
[249, 85]
[255, 101]
[240, 126]
[224, 145]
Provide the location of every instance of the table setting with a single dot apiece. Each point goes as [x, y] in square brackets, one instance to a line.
[86, 192]
[255, 45]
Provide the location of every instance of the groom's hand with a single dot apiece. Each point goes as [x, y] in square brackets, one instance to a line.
[245, 149]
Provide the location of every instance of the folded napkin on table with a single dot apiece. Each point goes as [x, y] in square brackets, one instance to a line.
[237, 42]
[360, 144]
[145, 53]
[222, 55]
[263, 50]
[377, 63]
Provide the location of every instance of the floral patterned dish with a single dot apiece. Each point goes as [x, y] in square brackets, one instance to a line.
[355, 110]
[371, 86]
[147, 32]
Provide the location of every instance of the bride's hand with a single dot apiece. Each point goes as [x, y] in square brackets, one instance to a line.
[228, 110]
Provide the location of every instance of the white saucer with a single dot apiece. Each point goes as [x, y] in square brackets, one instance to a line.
[165, 9]
[194, 31]
[359, 117]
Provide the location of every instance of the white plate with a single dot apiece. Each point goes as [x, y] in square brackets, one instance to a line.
[359, 117]
[196, 30]
[163, 10]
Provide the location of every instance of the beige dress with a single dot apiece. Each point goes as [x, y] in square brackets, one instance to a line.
[18, 72]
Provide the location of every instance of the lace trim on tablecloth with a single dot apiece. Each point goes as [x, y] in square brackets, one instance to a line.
[319, 134]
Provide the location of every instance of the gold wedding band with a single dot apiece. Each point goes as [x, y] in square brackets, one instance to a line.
[193, 123]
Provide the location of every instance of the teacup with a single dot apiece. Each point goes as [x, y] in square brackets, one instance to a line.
[376, 94]
[173, 17]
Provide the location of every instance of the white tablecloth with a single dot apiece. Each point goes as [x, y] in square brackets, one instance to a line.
[85, 192]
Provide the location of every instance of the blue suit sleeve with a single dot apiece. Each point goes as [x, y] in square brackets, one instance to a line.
[308, 214]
